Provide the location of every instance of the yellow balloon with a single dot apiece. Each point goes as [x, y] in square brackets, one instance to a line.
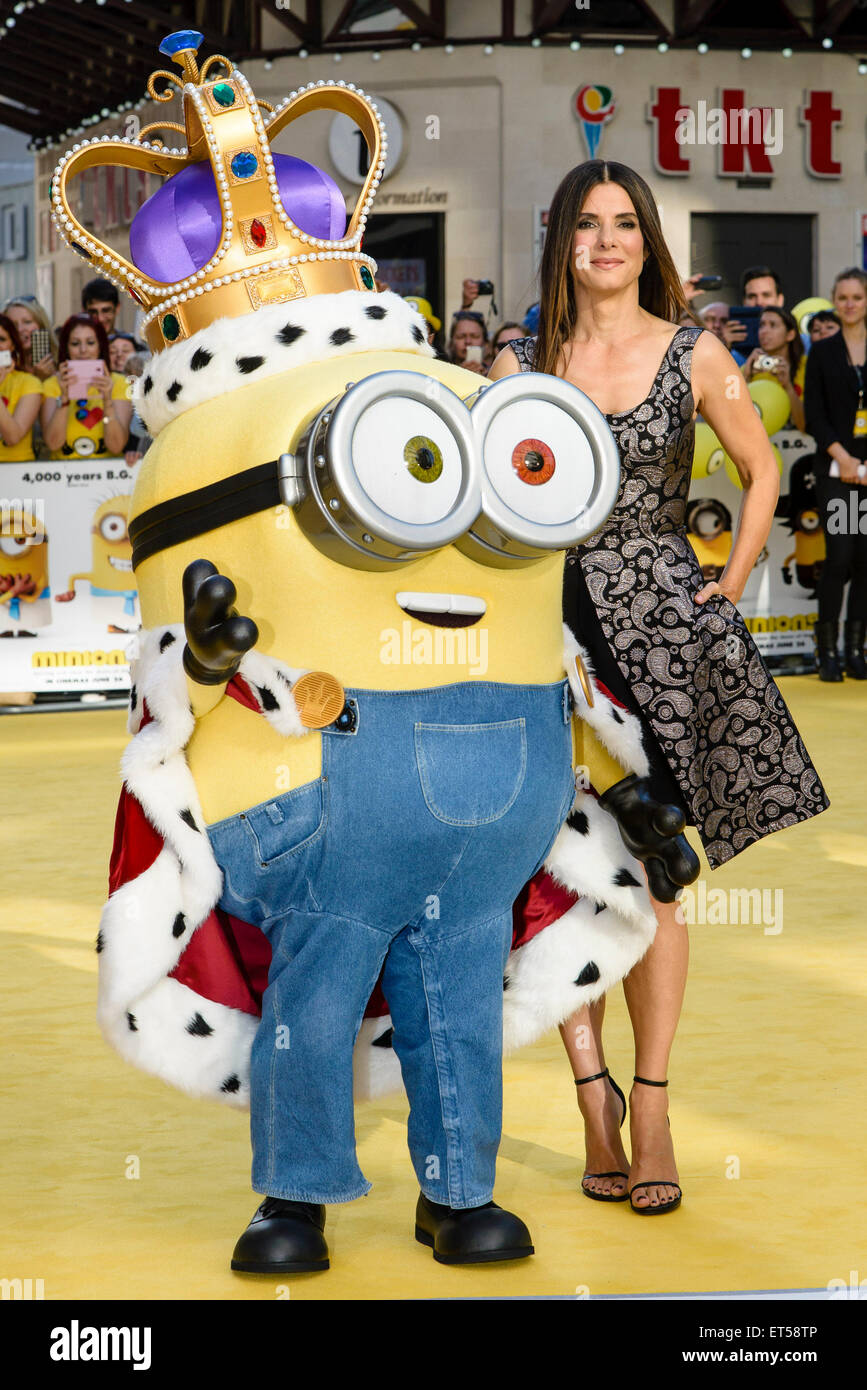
[735, 476]
[709, 454]
[803, 312]
[772, 404]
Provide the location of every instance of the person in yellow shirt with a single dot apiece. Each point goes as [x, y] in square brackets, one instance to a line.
[20, 398]
[28, 315]
[95, 422]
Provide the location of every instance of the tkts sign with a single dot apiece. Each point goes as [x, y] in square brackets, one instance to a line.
[748, 138]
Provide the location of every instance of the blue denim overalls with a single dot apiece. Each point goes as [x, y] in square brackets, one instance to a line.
[433, 810]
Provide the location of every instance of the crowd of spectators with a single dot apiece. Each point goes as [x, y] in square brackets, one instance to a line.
[65, 391]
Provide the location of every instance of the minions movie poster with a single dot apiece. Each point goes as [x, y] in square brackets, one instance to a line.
[68, 603]
[779, 603]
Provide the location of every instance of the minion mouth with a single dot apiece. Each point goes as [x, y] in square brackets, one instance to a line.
[118, 564]
[442, 610]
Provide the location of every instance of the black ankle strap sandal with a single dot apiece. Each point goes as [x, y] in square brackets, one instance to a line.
[658, 1182]
[605, 1196]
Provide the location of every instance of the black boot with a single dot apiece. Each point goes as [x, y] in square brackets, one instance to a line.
[476, 1235]
[283, 1238]
[826, 651]
[853, 645]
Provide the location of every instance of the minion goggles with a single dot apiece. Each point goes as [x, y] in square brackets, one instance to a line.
[398, 466]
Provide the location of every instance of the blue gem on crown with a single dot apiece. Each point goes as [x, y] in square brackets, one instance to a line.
[182, 38]
[244, 165]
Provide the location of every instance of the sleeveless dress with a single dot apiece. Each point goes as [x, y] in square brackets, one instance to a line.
[718, 735]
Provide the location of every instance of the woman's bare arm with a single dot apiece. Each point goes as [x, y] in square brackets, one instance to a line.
[722, 398]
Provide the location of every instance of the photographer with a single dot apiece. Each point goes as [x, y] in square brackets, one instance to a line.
[468, 340]
[20, 397]
[780, 357]
[85, 412]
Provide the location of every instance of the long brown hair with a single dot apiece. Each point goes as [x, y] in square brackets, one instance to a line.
[794, 349]
[8, 326]
[659, 288]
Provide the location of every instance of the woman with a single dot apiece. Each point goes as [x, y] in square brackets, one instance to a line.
[506, 333]
[836, 405]
[28, 314]
[97, 421]
[823, 324]
[468, 331]
[20, 398]
[673, 649]
[122, 346]
[779, 338]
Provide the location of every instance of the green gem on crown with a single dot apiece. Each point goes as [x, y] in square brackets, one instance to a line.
[171, 327]
[224, 94]
[366, 278]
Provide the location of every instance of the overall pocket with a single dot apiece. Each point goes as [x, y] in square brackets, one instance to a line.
[268, 853]
[471, 774]
[284, 827]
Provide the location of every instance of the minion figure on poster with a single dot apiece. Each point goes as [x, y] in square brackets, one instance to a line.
[319, 847]
[110, 573]
[23, 572]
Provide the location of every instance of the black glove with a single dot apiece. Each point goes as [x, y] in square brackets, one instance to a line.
[652, 832]
[216, 637]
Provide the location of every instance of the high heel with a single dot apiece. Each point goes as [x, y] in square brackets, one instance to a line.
[655, 1182]
[604, 1196]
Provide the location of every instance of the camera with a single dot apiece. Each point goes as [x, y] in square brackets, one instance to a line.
[486, 287]
[766, 363]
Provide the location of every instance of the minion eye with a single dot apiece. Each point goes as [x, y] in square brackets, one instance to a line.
[424, 459]
[16, 546]
[391, 472]
[113, 527]
[551, 471]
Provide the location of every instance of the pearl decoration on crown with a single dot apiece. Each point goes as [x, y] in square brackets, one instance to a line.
[203, 281]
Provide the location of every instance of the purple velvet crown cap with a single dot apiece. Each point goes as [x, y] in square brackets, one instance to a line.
[178, 229]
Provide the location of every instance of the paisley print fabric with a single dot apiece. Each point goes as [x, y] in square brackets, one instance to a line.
[710, 704]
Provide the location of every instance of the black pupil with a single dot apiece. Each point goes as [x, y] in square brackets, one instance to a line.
[534, 461]
[425, 458]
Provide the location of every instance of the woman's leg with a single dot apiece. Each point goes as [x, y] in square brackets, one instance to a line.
[654, 990]
[598, 1103]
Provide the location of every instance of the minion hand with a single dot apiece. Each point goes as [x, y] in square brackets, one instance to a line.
[217, 637]
[652, 832]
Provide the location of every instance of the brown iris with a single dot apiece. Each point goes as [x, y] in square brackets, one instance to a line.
[533, 461]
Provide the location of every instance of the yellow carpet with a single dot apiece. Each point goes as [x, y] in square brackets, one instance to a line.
[766, 1081]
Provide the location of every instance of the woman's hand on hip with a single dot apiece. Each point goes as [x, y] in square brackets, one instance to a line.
[714, 588]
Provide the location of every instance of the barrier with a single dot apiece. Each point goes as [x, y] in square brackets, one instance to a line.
[68, 603]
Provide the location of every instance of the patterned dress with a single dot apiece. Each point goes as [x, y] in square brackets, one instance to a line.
[719, 737]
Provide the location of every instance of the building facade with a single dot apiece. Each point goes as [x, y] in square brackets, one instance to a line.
[479, 141]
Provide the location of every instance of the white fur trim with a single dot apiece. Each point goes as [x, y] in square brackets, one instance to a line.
[616, 728]
[164, 1027]
[219, 358]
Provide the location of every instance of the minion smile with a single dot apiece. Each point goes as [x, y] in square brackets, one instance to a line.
[442, 610]
[117, 563]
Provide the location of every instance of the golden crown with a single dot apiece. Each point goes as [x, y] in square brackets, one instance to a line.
[261, 256]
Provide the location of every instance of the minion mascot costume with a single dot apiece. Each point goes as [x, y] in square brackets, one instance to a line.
[315, 863]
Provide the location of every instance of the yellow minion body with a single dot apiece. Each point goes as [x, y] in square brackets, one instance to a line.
[24, 550]
[111, 551]
[311, 610]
